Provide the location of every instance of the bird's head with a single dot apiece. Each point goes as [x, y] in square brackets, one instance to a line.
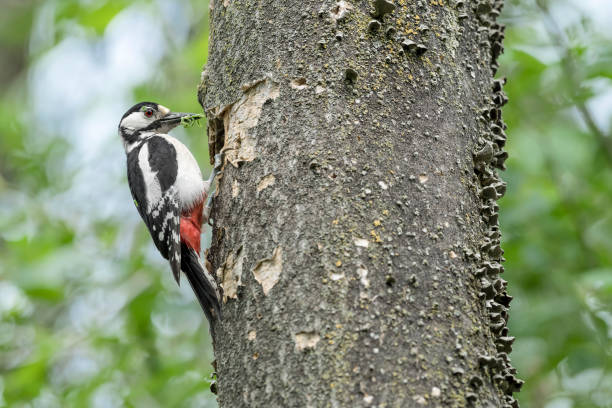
[146, 118]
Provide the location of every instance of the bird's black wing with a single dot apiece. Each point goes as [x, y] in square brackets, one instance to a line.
[152, 170]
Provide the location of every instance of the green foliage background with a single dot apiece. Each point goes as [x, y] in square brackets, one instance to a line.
[89, 314]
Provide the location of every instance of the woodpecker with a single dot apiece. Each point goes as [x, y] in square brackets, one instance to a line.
[169, 193]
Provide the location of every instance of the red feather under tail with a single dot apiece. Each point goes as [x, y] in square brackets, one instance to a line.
[191, 227]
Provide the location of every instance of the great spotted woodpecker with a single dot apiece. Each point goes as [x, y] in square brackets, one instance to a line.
[169, 193]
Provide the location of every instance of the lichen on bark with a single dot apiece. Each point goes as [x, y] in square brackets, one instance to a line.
[365, 225]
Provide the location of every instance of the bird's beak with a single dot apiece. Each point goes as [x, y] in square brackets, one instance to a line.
[175, 118]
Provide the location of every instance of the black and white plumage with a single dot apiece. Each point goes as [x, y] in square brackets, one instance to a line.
[169, 193]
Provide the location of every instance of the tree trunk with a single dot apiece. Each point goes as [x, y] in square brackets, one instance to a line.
[356, 236]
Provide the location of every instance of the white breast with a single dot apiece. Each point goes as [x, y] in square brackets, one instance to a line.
[190, 186]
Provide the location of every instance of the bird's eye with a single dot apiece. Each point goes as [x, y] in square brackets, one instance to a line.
[148, 113]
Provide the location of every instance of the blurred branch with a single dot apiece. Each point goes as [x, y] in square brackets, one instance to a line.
[568, 65]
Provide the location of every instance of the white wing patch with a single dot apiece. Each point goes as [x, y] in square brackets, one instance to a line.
[151, 182]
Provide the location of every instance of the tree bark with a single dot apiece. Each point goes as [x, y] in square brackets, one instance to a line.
[356, 236]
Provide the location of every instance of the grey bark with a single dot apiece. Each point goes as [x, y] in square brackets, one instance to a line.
[356, 235]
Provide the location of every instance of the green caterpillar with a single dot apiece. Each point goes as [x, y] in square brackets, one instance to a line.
[190, 121]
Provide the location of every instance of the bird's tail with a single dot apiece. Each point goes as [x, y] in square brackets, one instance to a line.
[203, 285]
